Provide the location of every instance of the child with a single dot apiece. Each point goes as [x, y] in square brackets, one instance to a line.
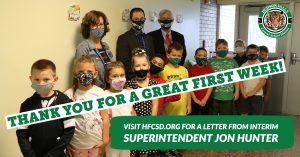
[240, 57]
[140, 66]
[223, 95]
[48, 138]
[263, 57]
[157, 64]
[172, 72]
[251, 90]
[115, 81]
[92, 129]
[200, 97]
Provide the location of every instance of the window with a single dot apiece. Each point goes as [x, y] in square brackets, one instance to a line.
[256, 36]
[227, 24]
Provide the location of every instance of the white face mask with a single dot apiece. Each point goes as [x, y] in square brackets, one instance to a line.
[42, 89]
[118, 83]
[239, 50]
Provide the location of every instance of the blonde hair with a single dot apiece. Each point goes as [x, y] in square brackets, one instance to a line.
[240, 41]
[82, 59]
[110, 66]
[165, 11]
[138, 53]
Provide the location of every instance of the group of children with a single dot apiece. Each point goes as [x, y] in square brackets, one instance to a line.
[87, 135]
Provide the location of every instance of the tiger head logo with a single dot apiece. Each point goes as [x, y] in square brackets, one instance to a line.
[275, 20]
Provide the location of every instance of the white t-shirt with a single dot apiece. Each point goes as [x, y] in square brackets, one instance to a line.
[88, 127]
[252, 83]
[122, 110]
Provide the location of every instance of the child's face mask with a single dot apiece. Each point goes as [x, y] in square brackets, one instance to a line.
[175, 61]
[201, 61]
[85, 79]
[42, 89]
[222, 53]
[118, 83]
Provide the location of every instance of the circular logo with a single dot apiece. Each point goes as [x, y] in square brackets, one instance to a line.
[275, 20]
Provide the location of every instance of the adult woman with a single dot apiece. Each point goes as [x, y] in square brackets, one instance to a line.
[94, 27]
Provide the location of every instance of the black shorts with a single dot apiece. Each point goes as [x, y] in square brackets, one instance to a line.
[252, 105]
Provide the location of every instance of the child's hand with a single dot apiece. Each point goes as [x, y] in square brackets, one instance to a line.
[176, 97]
[202, 103]
[249, 94]
[188, 109]
[70, 150]
[266, 99]
[236, 96]
[101, 146]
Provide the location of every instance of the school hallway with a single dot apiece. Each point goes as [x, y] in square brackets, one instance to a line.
[291, 152]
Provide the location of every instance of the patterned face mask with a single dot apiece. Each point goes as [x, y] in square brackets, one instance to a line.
[85, 79]
[118, 83]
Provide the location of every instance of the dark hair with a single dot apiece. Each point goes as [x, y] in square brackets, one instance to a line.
[135, 10]
[91, 19]
[199, 49]
[43, 64]
[110, 66]
[264, 48]
[221, 41]
[175, 45]
[252, 46]
[161, 56]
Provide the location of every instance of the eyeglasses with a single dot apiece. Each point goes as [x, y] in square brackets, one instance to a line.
[97, 26]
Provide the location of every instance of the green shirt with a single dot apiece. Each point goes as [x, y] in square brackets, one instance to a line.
[224, 92]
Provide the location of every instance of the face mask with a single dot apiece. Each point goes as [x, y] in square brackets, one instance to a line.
[141, 74]
[239, 50]
[97, 32]
[42, 89]
[155, 69]
[222, 53]
[252, 57]
[85, 79]
[118, 83]
[138, 25]
[201, 61]
[262, 59]
[166, 24]
[175, 61]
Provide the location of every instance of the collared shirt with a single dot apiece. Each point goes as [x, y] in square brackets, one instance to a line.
[164, 33]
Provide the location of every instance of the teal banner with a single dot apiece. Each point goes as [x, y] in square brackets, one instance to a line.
[202, 132]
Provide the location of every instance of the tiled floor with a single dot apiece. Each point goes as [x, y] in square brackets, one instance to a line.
[291, 152]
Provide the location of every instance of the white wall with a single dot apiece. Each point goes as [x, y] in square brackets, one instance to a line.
[34, 29]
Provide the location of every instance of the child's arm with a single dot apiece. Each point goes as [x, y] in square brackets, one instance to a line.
[268, 90]
[206, 97]
[23, 137]
[23, 140]
[133, 113]
[243, 90]
[189, 103]
[195, 98]
[236, 92]
[154, 107]
[258, 87]
[69, 128]
[105, 131]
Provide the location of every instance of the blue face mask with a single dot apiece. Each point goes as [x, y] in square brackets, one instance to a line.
[85, 79]
[97, 32]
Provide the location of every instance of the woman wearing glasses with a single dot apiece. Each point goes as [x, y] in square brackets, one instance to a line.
[94, 27]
